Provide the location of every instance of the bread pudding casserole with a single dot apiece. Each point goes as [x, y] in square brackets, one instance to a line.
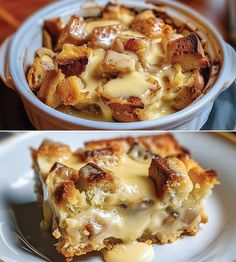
[147, 189]
[120, 64]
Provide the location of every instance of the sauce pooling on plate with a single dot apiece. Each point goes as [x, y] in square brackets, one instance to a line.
[137, 252]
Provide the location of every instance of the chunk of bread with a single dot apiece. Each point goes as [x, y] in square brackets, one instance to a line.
[103, 36]
[51, 31]
[47, 154]
[114, 11]
[71, 91]
[115, 63]
[124, 109]
[73, 33]
[188, 52]
[72, 60]
[137, 45]
[173, 184]
[53, 26]
[48, 90]
[91, 176]
[108, 156]
[38, 70]
[147, 24]
[187, 93]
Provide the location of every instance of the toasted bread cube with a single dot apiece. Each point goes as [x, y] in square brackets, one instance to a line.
[118, 12]
[47, 39]
[42, 63]
[63, 191]
[102, 157]
[48, 90]
[170, 176]
[115, 63]
[73, 33]
[92, 176]
[36, 75]
[100, 185]
[51, 32]
[103, 36]
[53, 26]
[138, 45]
[123, 109]
[186, 94]
[203, 180]
[61, 182]
[120, 146]
[41, 52]
[188, 52]
[147, 24]
[72, 60]
[127, 111]
[47, 154]
[71, 91]
[163, 145]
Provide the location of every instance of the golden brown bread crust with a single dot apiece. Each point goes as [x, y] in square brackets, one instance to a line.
[115, 11]
[103, 36]
[71, 92]
[52, 149]
[162, 175]
[92, 175]
[73, 33]
[73, 60]
[147, 24]
[115, 63]
[123, 43]
[189, 92]
[53, 26]
[164, 144]
[48, 90]
[87, 155]
[51, 31]
[126, 111]
[188, 52]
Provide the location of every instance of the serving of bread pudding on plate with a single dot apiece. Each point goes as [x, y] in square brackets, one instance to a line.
[121, 65]
[147, 189]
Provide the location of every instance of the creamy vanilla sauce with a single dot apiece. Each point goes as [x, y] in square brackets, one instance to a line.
[132, 33]
[135, 173]
[130, 171]
[155, 54]
[106, 115]
[135, 252]
[130, 85]
[92, 75]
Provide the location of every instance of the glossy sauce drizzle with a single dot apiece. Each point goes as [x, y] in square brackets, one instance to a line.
[136, 252]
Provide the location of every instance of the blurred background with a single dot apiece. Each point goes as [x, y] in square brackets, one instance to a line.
[222, 13]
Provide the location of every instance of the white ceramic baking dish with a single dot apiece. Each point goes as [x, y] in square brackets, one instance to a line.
[18, 52]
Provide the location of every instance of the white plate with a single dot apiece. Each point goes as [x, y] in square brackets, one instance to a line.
[19, 213]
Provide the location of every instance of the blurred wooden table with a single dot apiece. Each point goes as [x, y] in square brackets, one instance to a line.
[13, 12]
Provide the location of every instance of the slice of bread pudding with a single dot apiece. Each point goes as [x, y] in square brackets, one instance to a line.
[121, 190]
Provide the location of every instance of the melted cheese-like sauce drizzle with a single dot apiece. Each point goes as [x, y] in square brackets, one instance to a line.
[137, 252]
[130, 85]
